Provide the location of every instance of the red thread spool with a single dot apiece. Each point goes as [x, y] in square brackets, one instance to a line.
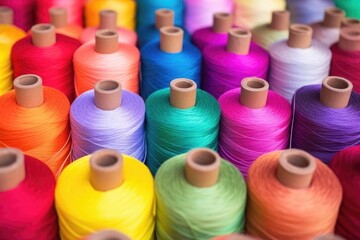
[346, 56]
[26, 198]
[48, 55]
[346, 167]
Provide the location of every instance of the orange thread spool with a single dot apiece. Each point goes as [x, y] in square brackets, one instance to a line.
[292, 195]
[35, 119]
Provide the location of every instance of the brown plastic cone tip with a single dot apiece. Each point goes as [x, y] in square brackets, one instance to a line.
[171, 39]
[329, 237]
[280, 20]
[235, 236]
[164, 18]
[350, 22]
[296, 168]
[222, 23]
[106, 169]
[43, 35]
[29, 91]
[202, 167]
[254, 92]
[108, 94]
[58, 17]
[6, 15]
[350, 39]
[300, 36]
[335, 92]
[108, 20]
[108, 235]
[333, 18]
[182, 93]
[12, 168]
[106, 41]
[239, 41]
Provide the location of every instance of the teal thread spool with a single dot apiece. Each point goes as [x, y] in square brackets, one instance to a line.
[179, 119]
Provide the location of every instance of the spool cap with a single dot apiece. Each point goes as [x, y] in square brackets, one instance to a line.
[182, 93]
[296, 168]
[171, 39]
[43, 35]
[222, 22]
[12, 168]
[106, 41]
[300, 36]
[29, 91]
[280, 20]
[235, 236]
[350, 39]
[350, 22]
[329, 237]
[254, 92]
[108, 235]
[239, 41]
[335, 92]
[106, 169]
[333, 18]
[108, 94]
[202, 167]
[6, 15]
[58, 17]
[164, 18]
[108, 20]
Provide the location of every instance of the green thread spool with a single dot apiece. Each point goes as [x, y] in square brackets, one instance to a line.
[199, 196]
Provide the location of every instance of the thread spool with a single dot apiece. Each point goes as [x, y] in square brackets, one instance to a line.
[346, 56]
[250, 14]
[120, 184]
[9, 34]
[328, 109]
[155, 56]
[108, 20]
[291, 176]
[254, 121]
[124, 8]
[298, 52]
[163, 18]
[48, 55]
[23, 12]
[26, 181]
[200, 174]
[199, 14]
[226, 66]
[107, 234]
[108, 117]
[328, 31]
[106, 58]
[59, 18]
[74, 8]
[351, 8]
[344, 165]
[147, 8]
[277, 30]
[23, 127]
[172, 121]
[308, 11]
[215, 35]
